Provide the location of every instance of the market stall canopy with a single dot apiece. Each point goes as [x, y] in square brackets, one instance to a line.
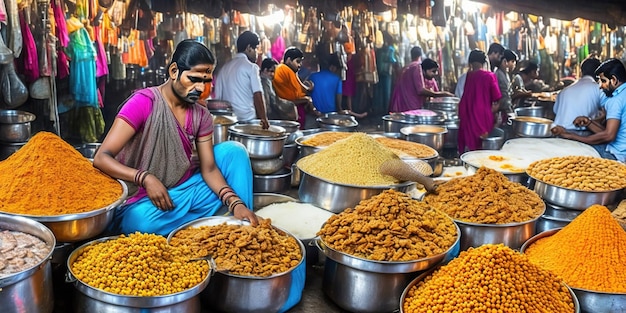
[611, 12]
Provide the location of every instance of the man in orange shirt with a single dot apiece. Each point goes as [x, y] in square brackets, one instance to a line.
[289, 87]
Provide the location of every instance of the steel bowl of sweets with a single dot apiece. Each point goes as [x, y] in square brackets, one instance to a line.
[588, 254]
[489, 208]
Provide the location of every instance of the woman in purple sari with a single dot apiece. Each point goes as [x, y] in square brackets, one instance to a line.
[478, 103]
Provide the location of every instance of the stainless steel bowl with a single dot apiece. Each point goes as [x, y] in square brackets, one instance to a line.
[8, 148]
[494, 140]
[538, 111]
[396, 135]
[290, 154]
[81, 226]
[532, 127]
[344, 278]
[575, 199]
[443, 104]
[263, 199]
[561, 212]
[123, 300]
[235, 293]
[590, 301]
[306, 150]
[422, 276]
[276, 182]
[30, 290]
[289, 126]
[513, 234]
[423, 117]
[221, 123]
[88, 150]
[337, 197]
[393, 123]
[337, 124]
[432, 136]
[15, 125]
[545, 223]
[452, 137]
[266, 166]
[259, 146]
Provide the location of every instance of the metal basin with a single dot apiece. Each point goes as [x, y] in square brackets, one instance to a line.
[29, 290]
[8, 148]
[545, 223]
[532, 127]
[422, 276]
[421, 117]
[289, 126]
[15, 125]
[275, 182]
[114, 302]
[494, 140]
[88, 150]
[220, 127]
[81, 226]
[235, 293]
[443, 104]
[393, 124]
[575, 199]
[261, 144]
[513, 235]
[290, 154]
[432, 136]
[561, 212]
[451, 138]
[360, 285]
[266, 166]
[538, 111]
[590, 301]
[336, 197]
[337, 122]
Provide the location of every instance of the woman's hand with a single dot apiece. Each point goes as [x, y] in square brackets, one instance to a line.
[485, 135]
[243, 213]
[158, 193]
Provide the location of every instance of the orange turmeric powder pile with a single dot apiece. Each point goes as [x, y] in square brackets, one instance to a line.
[47, 176]
[490, 278]
[589, 253]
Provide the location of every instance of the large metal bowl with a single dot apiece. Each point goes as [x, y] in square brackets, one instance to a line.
[275, 182]
[337, 197]
[220, 127]
[267, 146]
[494, 140]
[538, 111]
[15, 125]
[393, 123]
[338, 122]
[29, 290]
[421, 117]
[89, 150]
[8, 148]
[228, 292]
[443, 104]
[432, 136]
[81, 226]
[266, 166]
[532, 127]
[575, 199]
[289, 126]
[590, 301]
[513, 234]
[421, 277]
[138, 302]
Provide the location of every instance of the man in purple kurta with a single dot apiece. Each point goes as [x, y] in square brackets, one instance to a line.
[478, 103]
[409, 93]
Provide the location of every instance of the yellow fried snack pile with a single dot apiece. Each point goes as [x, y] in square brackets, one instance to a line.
[138, 265]
[390, 226]
[580, 173]
[490, 278]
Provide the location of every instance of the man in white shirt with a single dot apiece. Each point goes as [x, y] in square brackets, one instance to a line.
[581, 98]
[238, 81]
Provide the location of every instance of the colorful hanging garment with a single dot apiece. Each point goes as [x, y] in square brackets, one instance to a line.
[29, 57]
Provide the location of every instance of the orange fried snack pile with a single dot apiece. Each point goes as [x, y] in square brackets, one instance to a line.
[47, 176]
[589, 253]
[390, 226]
[243, 249]
[486, 197]
[490, 278]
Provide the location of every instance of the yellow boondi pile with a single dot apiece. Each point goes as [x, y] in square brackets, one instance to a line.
[355, 160]
[589, 253]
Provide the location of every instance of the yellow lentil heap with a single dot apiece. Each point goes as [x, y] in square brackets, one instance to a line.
[490, 278]
[47, 176]
[390, 226]
[138, 265]
[486, 197]
[589, 253]
[580, 173]
[355, 160]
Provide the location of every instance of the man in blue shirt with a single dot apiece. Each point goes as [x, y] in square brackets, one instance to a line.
[612, 75]
[326, 95]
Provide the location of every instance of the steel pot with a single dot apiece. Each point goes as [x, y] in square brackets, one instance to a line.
[337, 122]
[261, 144]
[336, 197]
[590, 301]
[545, 223]
[235, 293]
[432, 136]
[451, 138]
[360, 285]
[29, 290]
[289, 126]
[533, 127]
[397, 135]
[15, 125]
[276, 182]
[89, 150]
[8, 148]
[98, 300]
[443, 104]
[561, 212]
[266, 166]
[494, 140]
[575, 199]
[538, 111]
[81, 226]
[513, 234]
[221, 123]
[393, 124]
[421, 117]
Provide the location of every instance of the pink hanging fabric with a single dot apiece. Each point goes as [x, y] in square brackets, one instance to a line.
[29, 55]
[278, 48]
[102, 68]
[3, 13]
[59, 17]
[63, 68]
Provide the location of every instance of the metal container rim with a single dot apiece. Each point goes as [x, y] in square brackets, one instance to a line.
[404, 184]
[29, 116]
[569, 189]
[503, 225]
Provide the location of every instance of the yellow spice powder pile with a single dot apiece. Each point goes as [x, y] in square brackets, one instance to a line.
[589, 253]
[47, 176]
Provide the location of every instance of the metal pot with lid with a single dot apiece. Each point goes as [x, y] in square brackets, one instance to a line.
[260, 143]
[337, 122]
[443, 104]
